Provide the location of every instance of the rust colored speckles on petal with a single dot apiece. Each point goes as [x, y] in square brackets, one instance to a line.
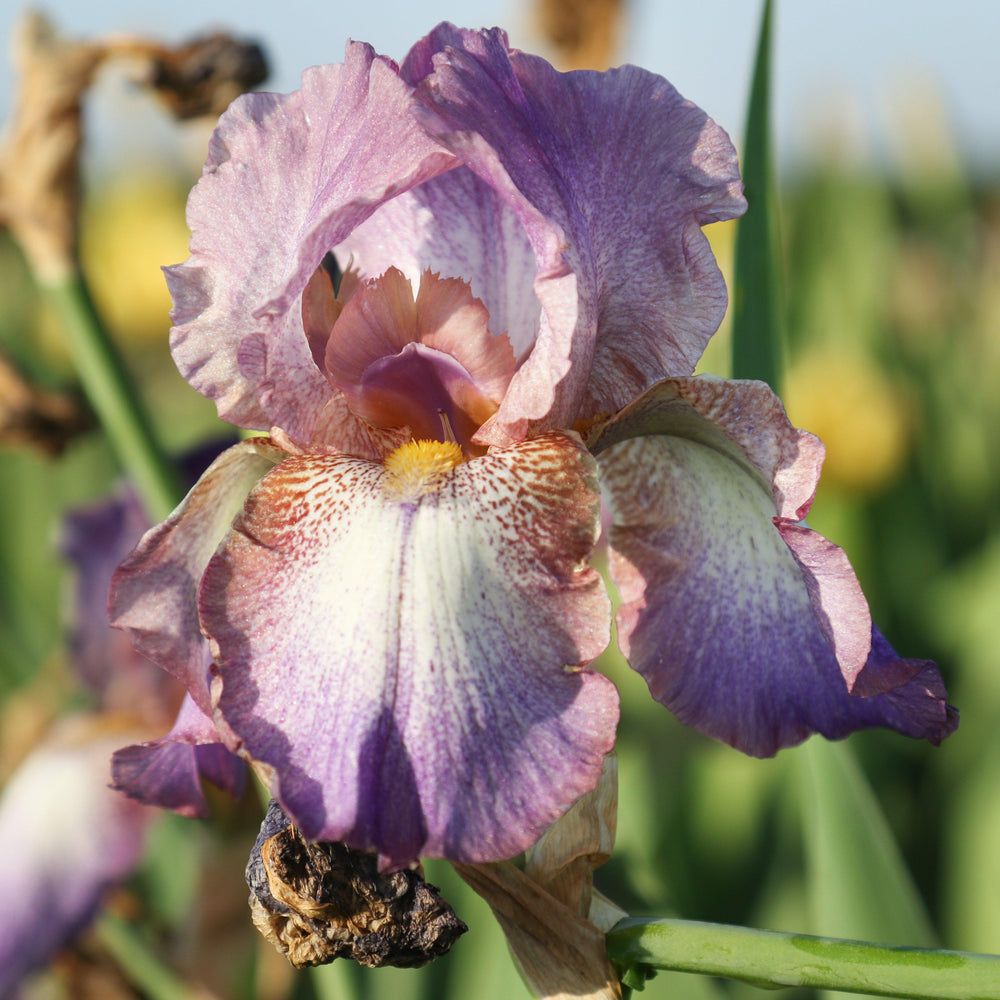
[419, 467]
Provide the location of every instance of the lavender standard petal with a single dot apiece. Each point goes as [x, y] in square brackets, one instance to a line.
[288, 178]
[611, 175]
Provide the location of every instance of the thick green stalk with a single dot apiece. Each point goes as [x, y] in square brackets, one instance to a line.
[112, 394]
[774, 959]
[336, 981]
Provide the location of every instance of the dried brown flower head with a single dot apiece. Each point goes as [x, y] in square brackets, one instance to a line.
[319, 901]
[40, 151]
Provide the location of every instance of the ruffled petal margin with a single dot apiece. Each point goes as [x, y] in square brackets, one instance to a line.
[288, 177]
[167, 772]
[408, 672]
[749, 627]
[611, 176]
[154, 591]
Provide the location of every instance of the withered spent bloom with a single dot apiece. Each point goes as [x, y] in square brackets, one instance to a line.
[319, 901]
[205, 75]
[40, 149]
[40, 152]
[35, 417]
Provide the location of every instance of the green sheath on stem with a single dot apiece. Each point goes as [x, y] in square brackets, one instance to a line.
[774, 959]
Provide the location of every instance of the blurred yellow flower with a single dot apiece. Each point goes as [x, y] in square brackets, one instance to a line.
[133, 226]
[864, 418]
[722, 240]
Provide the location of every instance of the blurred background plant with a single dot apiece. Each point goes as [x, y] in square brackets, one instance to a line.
[892, 307]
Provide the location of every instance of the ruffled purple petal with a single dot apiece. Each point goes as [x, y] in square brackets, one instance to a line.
[748, 627]
[288, 177]
[167, 772]
[154, 591]
[913, 688]
[66, 839]
[407, 669]
[611, 176]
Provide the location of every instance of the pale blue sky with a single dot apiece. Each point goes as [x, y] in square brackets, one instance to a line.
[848, 54]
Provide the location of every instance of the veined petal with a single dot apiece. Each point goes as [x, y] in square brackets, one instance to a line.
[407, 669]
[746, 423]
[748, 627]
[288, 177]
[167, 772]
[456, 225]
[66, 839]
[154, 591]
[611, 176]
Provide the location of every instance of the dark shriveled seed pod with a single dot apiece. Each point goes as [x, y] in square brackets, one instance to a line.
[319, 901]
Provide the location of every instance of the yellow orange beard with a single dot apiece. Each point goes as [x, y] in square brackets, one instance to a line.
[418, 467]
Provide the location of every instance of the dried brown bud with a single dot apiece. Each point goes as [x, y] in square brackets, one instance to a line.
[561, 956]
[551, 914]
[563, 859]
[36, 417]
[40, 153]
[319, 901]
[203, 76]
[39, 161]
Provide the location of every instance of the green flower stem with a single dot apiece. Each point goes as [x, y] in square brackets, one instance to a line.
[112, 395]
[143, 968]
[774, 959]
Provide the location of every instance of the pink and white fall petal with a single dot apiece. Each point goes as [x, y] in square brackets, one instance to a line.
[406, 668]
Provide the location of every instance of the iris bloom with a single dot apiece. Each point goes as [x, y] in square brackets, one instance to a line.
[67, 839]
[394, 583]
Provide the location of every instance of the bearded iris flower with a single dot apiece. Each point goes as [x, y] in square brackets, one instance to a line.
[386, 604]
[68, 838]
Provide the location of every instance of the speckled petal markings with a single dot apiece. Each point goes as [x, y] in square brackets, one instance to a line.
[407, 670]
